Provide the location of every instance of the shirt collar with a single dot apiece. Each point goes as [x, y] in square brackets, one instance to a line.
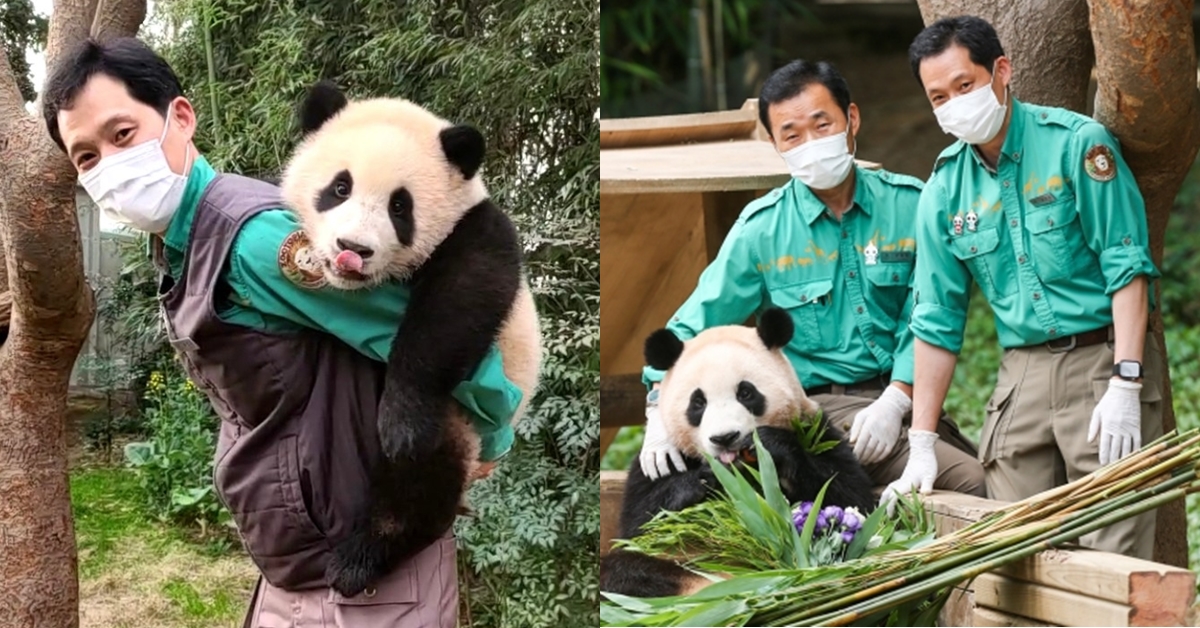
[180, 228]
[812, 207]
[1012, 138]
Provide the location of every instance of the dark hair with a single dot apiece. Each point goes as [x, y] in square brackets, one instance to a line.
[787, 83]
[968, 31]
[147, 77]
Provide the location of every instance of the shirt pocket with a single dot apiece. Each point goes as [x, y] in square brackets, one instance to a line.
[978, 251]
[889, 287]
[1056, 241]
[810, 305]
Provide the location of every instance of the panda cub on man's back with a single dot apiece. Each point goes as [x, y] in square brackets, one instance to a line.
[719, 389]
[386, 189]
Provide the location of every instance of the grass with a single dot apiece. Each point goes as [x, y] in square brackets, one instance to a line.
[137, 572]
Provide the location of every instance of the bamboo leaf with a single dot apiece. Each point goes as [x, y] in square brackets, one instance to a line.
[719, 613]
[757, 582]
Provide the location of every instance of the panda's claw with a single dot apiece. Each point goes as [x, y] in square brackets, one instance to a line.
[354, 565]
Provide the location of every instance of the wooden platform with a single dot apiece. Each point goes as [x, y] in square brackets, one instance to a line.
[1077, 587]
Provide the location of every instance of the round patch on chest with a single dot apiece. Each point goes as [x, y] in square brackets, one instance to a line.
[299, 262]
[1100, 163]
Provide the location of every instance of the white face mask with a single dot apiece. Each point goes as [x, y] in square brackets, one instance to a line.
[821, 164]
[136, 186]
[974, 118]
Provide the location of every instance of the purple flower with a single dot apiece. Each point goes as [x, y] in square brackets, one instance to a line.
[833, 514]
[847, 536]
[852, 519]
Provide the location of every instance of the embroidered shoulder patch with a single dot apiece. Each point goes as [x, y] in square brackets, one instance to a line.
[298, 263]
[1100, 163]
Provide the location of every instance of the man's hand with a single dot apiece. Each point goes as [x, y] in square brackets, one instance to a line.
[657, 449]
[920, 471]
[877, 427]
[1118, 420]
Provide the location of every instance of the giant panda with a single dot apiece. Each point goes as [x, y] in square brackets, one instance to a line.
[387, 190]
[720, 387]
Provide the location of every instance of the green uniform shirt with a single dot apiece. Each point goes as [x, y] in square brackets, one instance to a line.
[1058, 227]
[846, 284]
[263, 297]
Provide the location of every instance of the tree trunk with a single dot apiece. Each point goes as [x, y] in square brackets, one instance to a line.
[52, 309]
[1047, 41]
[1146, 96]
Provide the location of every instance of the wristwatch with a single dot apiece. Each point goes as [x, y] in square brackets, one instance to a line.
[1128, 370]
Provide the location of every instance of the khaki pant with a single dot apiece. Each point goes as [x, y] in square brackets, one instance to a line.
[421, 593]
[958, 468]
[1035, 436]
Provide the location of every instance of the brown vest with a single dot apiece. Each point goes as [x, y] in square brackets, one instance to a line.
[297, 411]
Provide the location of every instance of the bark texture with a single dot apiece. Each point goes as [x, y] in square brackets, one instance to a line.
[1146, 96]
[1047, 41]
[52, 309]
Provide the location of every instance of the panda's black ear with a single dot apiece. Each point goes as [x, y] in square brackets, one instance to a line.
[321, 103]
[775, 327]
[663, 348]
[464, 147]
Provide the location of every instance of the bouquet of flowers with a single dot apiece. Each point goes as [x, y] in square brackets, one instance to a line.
[775, 564]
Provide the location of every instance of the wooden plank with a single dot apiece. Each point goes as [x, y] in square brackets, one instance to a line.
[622, 400]
[1159, 594]
[607, 436]
[1044, 603]
[677, 129]
[720, 212]
[992, 617]
[612, 490]
[958, 609]
[652, 255]
[701, 167]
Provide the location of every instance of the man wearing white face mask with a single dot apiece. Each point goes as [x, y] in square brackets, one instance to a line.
[835, 247]
[292, 366]
[1036, 205]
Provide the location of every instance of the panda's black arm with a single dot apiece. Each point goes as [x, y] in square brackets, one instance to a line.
[802, 475]
[645, 498]
[459, 300]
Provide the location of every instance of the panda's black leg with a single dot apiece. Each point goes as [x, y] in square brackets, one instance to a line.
[358, 561]
[802, 475]
[645, 498]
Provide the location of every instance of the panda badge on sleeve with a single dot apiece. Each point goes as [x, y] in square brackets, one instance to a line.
[720, 388]
[386, 190]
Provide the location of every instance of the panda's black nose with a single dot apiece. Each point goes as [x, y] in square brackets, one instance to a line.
[725, 440]
[363, 251]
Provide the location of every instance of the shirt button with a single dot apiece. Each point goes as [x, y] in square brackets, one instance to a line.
[851, 274]
[974, 249]
[1043, 116]
[1013, 222]
[1053, 331]
[1021, 259]
[1127, 241]
[803, 298]
[843, 233]
[1050, 222]
[896, 277]
[1006, 184]
[1037, 295]
[1017, 155]
[871, 343]
[859, 309]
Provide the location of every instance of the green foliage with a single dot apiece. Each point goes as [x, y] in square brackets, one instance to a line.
[524, 73]
[175, 466]
[810, 433]
[21, 30]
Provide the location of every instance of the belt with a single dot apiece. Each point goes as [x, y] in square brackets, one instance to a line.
[879, 382]
[1067, 343]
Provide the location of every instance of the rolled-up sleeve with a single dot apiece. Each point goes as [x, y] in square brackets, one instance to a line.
[1112, 211]
[942, 289]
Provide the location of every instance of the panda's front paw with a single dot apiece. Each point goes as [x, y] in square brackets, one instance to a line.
[355, 565]
[403, 440]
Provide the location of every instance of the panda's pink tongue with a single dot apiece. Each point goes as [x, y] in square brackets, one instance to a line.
[348, 261]
[727, 456]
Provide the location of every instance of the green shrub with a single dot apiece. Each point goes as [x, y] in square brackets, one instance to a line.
[175, 464]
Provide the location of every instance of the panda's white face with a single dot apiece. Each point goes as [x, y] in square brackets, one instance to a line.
[725, 385]
[375, 191]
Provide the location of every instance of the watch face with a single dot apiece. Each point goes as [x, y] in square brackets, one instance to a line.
[1129, 369]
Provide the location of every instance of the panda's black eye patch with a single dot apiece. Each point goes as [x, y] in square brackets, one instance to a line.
[753, 400]
[400, 210]
[696, 406]
[336, 191]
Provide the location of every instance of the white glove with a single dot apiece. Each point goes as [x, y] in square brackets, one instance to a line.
[1118, 420]
[920, 471]
[877, 427]
[657, 449]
